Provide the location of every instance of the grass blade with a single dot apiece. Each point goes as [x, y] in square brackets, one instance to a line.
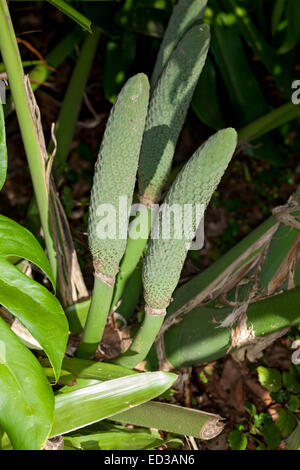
[270, 121]
[72, 13]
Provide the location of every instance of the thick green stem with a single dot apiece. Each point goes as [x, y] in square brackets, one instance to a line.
[13, 64]
[269, 122]
[132, 294]
[142, 342]
[96, 319]
[199, 338]
[133, 253]
[173, 418]
[68, 116]
[77, 313]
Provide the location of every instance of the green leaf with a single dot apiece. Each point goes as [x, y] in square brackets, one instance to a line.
[3, 150]
[293, 403]
[79, 383]
[286, 422]
[237, 440]
[91, 404]
[261, 446]
[170, 418]
[116, 438]
[269, 378]
[86, 369]
[277, 253]
[293, 442]
[18, 242]
[262, 419]
[250, 408]
[268, 55]
[293, 31]
[37, 309]
[281, 396]
[291, 382]
[272, 435]
[277, 14]
[26, 399]
[75, 15]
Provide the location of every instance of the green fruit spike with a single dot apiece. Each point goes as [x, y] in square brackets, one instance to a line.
[184, 16]
[195, 184]
[167, 111]
[115, 175]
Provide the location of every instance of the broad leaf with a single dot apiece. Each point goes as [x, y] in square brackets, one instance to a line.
[293, 442]
[269, 378]
[37, 309]
[237, 440]
[18, 242]
[291, 382]
[3, 151]
[26, 399]
[272, 435]
[286, 423]
[88, 405]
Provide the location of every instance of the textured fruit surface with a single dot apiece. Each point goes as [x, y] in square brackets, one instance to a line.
[185, 14]
[167, 111]
[195, 184]
[115, 173]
